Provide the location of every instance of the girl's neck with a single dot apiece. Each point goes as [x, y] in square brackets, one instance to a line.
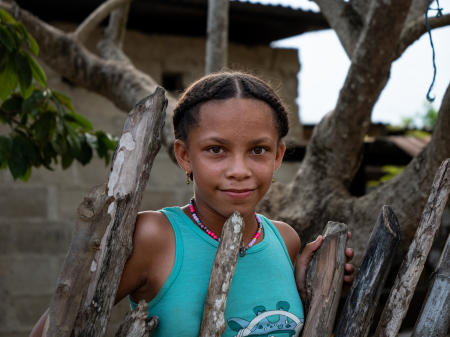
[215, 221]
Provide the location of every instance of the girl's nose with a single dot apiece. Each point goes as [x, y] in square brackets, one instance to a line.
[238, 168]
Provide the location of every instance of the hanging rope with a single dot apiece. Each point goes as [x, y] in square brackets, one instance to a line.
[438, 14]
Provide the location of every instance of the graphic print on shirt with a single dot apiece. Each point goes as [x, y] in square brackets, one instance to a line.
[278, 322]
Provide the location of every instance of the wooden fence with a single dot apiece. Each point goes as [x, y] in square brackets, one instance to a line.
[85, 291]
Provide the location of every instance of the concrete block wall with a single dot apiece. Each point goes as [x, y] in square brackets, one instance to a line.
[37, 217]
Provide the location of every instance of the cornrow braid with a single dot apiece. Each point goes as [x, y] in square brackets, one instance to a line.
[225, 85]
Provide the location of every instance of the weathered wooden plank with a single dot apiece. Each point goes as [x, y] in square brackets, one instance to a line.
[434, 318]
[137, 323]
[74, 278]
[359, 308]
[132, 162]
[412, 266]
[324, 281]
[213, 320]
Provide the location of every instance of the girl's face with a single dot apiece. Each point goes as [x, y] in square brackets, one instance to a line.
[233, 153]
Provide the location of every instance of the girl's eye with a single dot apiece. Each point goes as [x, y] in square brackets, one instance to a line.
[258, 150]
[215, 149]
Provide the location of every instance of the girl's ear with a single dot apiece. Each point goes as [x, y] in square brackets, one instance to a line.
[280, 154]
[182, 155]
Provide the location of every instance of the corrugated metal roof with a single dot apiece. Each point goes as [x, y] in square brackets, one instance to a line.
[304, 5]
[410, 144]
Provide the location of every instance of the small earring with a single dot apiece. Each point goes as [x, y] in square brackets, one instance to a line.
[273, 179]
[188, 178]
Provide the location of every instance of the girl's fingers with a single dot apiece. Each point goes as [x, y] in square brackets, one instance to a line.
[349, 254]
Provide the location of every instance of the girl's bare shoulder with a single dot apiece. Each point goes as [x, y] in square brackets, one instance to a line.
[152, 228]
[290, 237]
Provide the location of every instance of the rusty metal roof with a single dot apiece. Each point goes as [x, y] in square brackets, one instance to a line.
[410, 144]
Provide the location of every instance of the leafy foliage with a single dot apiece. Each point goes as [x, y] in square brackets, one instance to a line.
[44, 127]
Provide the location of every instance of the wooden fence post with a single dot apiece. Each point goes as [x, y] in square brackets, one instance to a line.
[324, 281]
[434, 318]
[359, 308]
[213, 320]
[412, 266]
[87, 286]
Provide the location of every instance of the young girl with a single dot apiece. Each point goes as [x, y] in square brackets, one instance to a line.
[229, 129]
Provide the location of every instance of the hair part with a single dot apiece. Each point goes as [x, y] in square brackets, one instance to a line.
[221, 86]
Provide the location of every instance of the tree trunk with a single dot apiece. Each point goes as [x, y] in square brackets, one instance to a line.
[213, 320]
[217, 37]
[434, 319]
[356, 316]
[324, 280]
[411, 268]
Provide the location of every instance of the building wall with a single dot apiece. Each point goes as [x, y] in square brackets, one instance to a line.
[37, 217]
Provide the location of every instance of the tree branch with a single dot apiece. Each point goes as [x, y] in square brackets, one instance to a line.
[340, 135]
[345, 20]
[110, 46]
[121, 83]
[93, 20]
[414, 30]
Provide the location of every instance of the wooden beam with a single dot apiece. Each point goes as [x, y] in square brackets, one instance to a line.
[434, 318]
[213, 320]
[412, 266]
[357, 314]
[324, 279]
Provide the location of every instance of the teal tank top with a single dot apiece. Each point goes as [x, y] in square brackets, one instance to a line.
[263, 298]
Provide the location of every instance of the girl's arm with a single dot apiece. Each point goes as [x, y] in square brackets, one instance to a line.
[151, 241]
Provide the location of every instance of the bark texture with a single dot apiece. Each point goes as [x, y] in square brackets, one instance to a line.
[434, 318]
[213, 320]
[217, 37]
[102, 240]
[356, 316]
[137, 323]
[411, 268]
[324, 280]
[132, 162]
[71, 288]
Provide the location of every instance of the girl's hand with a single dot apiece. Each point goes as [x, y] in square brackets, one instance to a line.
[305, 257]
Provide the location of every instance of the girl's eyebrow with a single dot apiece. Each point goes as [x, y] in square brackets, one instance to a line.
[260, 140]
[223, 141]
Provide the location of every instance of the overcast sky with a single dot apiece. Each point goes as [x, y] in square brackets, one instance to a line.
[324, 66]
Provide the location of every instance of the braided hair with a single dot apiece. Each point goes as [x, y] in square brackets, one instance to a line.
[221, 86]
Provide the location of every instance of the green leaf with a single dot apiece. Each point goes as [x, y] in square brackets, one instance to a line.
[7, 40]
[66, 160]
[5, 17]
[8, 81]
[5, 149]
[24, 73]
[29, 39]
[20, 160]
[27, 175]
[43, 127]
[33, 103]
[80, 120]
[85, 155]
[108, 140]
[37, 71]
[13, 106]
[63, 99]
[60, 145]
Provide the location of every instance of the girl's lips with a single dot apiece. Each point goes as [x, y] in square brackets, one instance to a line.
[238, 194]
